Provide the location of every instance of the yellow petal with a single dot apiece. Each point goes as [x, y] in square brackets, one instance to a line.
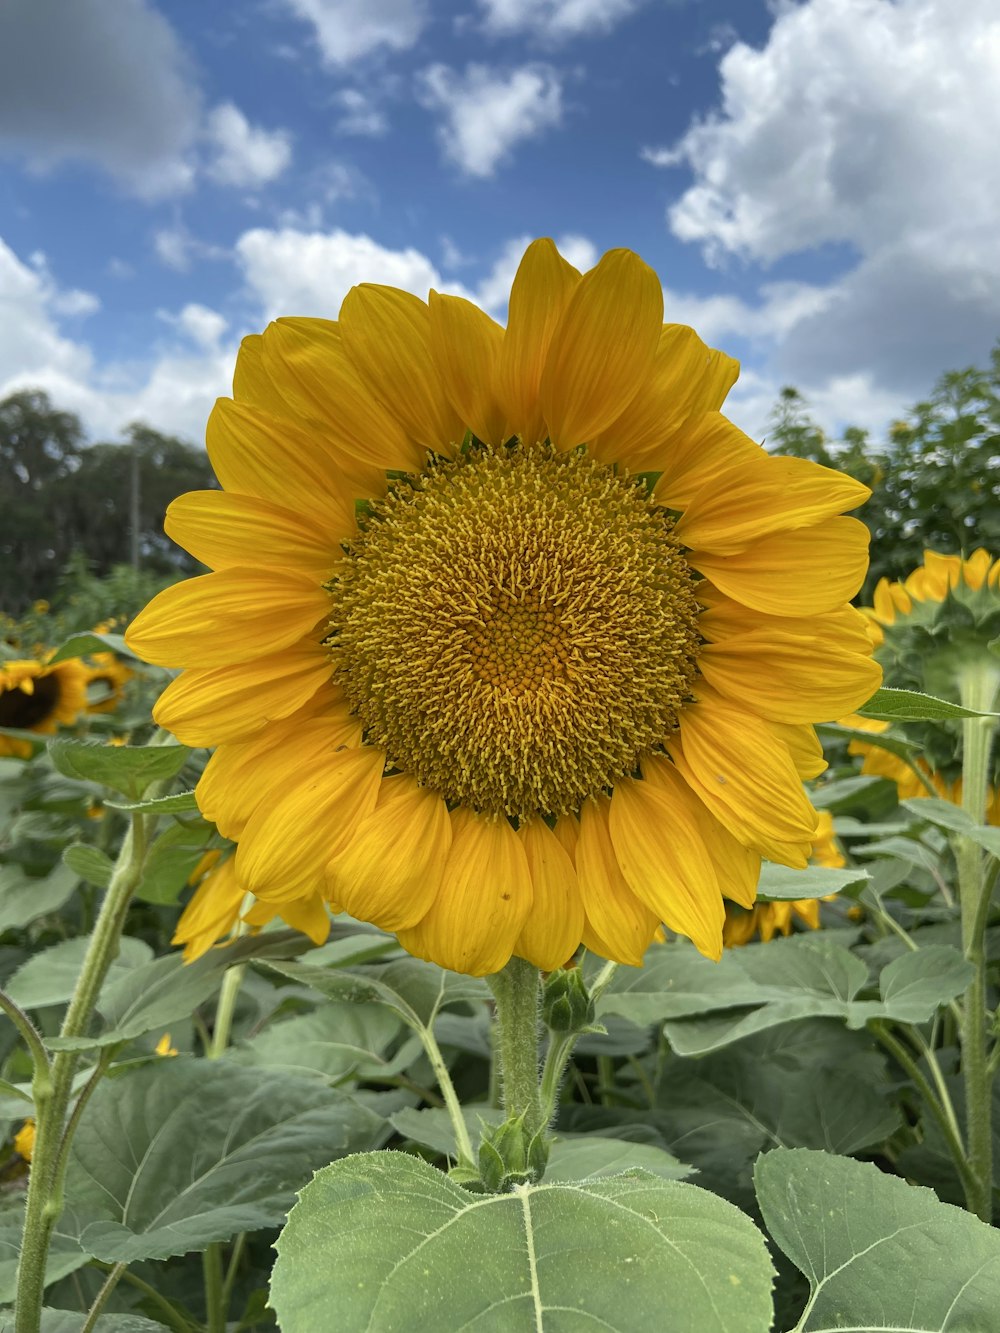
[387, 336]
[748, 781]
[310, 915]
[723, 618]
[687, 379]
[466, 345]
[702, 448]
[239, 778]
[665, 862]
[231, 703]
[975, 570]
[308, 361]
[287, 844]
[737, 868]
[624, 926]
[542, 288]
[764, 495]
[220, 619]
[256, 453]
[252, 385]
[391, 870]
[800, 573]
[602, 350]
[805, 748]
[211, 913]
[789, 677]
[222, 529]
[554, 926]
[484, 898]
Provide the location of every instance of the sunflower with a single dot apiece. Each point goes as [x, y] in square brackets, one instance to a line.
[107, 676]
[512, 640]
[38, 697]
[929, 629]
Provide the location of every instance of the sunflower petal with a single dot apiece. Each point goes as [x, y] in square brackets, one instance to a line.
[231, 703]
[829, 562]
[466, 344]
[624, 926]
[309, 914]
[687, 380]
[483, 899]
[287, 844]
[390, 872]
[805, 748]
[220, 619]
[542, 288]
[211, 913]
[387, 336]
[222, 529]
[602, 349]
[702, 448]
[731, 759]
[761, 496]
[554, 927]
[665, 862]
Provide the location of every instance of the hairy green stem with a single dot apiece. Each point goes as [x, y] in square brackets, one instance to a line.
[517, 993]
[172, 1317]
[215, 1313]
[978, 684]
[561, 1048]
[44, 1199]
[466, 1156]
[42, 1079]
[101, 1299]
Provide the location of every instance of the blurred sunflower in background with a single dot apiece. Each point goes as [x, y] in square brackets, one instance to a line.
[37, 696]
[930, 631]
[513, 641]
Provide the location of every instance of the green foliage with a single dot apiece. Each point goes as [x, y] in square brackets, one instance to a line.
[934, 478]
[387, 1240]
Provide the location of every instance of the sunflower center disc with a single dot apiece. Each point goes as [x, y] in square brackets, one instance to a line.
[516, 628]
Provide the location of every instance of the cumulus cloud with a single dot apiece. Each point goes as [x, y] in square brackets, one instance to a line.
[486, 112]
[243, 154]
[346, 30]
[201, 324]
[872, 126]
[555, 19]
[98, 81]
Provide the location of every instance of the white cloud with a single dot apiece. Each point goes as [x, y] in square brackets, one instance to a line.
[243, 154]
[872, 126]
[178, 249]
[349, 29]
[98, 81]
[361, 115]
[30, 340]
[486, 112]
[555, 19]
[201, 324]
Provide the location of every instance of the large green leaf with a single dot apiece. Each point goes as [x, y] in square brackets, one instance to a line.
[956, 820]
[337, 1041]
[781, 883]
[878, 1253]
[181, 1152]
[89, 641]
[888, 705]
[386, 1241]
[50, 976]
[128, 768]
[25, 898]
[64, 1257]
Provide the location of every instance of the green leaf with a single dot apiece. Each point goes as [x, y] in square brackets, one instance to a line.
[89, 863]
[129, 769]
[911, 706]
[915, 986]
[783, 884]
[878, 1253]
[50, 976]
[955, 820]
[171, 861]
[337, 1040]
[25, 898]
[90, 642]
[180, 803]
[181, 1152]
[389, 1242]
[65, 1255]
[590, 1157]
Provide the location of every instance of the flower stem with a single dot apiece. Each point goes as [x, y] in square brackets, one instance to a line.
[978, 684]
[44, 1202]
[517, 993]
[433, 1052]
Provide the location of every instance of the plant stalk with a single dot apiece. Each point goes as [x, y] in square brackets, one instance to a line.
[517, 993]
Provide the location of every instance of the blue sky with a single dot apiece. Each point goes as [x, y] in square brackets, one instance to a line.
[817, 183]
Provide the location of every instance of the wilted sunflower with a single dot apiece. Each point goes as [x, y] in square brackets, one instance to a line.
[35, 696]
[928, 630]
[513, 640]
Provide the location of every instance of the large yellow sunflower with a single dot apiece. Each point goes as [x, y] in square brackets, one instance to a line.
[512, 639]
[35, 696]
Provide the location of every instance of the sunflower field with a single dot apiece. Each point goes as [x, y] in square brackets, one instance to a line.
[531, 878]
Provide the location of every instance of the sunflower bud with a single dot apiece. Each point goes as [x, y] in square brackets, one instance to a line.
[566, 1002]
[509, 1155]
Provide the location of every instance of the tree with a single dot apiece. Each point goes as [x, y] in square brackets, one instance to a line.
[60, 496]
[936, 478]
